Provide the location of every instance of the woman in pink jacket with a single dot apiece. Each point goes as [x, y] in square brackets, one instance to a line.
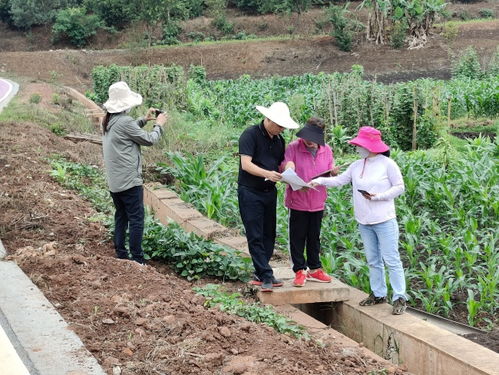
[309, 157]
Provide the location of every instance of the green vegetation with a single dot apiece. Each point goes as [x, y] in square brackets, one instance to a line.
[254, 312]
[344, 28]
[448, 215]
[344, 100]
[189, 255]
[59, 121]
[395, 22]
[75, 25]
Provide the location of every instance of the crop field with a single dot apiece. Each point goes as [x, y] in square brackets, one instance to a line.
[448, 215]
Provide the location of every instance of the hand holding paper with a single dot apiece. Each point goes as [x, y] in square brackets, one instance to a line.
[289, 176]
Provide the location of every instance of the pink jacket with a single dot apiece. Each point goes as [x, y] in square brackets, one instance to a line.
[307, 167]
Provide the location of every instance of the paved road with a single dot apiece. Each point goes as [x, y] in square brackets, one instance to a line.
[7, 90]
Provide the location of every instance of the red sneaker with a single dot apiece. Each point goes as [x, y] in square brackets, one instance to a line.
[319, 276]
[300, 278]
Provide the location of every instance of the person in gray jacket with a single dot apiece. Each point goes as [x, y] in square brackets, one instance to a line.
[122, 138]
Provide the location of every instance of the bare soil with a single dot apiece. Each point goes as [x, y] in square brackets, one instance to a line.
[143, 319]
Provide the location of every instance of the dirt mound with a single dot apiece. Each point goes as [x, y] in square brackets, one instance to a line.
[142, 319]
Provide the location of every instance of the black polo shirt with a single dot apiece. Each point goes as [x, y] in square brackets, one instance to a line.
[265, 152]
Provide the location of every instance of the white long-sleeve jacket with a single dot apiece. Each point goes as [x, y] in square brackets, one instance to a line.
[377, 175]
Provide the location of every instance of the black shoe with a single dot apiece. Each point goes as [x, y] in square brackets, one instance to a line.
[267, 286]
[276, 283]
[372, 300]
[399, 306]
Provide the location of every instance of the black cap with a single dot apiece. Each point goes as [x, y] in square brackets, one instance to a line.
[312, 134]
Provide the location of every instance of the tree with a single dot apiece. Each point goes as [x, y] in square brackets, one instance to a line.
[76, 25]
[115, 13]
[28, 13]
[417, 16]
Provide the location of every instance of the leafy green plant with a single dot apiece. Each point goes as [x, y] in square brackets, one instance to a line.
[344, 28]
[76, 25]
[398, 34]
[254, 312]
[191, 256]
[468, 65]
[224, 26]
[171, 31]
[35, 98]
[486, 13]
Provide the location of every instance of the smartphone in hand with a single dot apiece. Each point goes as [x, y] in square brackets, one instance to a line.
[363, 192]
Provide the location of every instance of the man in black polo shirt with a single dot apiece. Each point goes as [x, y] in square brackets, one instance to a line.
[261, 150]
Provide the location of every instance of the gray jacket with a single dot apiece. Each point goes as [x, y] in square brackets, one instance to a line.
[121, 146]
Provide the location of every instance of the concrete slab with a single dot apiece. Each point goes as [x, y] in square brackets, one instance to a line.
[10, 363]
[49, 343]
[205, 228]
[235, 242]
[3, 252]
[423, 347]
[325, 333]
[311, 292]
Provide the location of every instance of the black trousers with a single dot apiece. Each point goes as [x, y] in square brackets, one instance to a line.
[258, 213]
[305, 229]
[129, 214]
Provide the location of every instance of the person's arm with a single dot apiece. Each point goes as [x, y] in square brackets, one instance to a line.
[150, 115]
[133, 130]
[289, 158]
[342, 179]
[250, 167]
[395, 178]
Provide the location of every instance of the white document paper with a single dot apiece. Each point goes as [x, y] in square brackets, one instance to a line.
[290, 177]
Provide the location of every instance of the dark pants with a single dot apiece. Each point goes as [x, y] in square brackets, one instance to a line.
[305, 228]
[129, 214]
[258, 213]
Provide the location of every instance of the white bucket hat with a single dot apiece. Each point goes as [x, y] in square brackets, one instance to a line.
[278, 113]
[121, 98]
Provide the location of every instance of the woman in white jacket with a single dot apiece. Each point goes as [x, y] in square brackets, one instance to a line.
[376, 181]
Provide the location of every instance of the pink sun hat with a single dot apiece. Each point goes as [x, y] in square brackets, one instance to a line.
[370, 139]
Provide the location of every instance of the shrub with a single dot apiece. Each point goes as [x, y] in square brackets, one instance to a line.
[25, 14]
[58, 129]
[170, 33]
[76, 25]
[196, 36]
[399, 34]
[114, 13]
[486, 13]
[221, 23]
[344, 28]
[35, 98]
[450, 30]
[243, 36]
[468, 65]
[197, 73]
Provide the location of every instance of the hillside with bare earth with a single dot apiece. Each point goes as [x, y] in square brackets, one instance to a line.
[302, 52]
